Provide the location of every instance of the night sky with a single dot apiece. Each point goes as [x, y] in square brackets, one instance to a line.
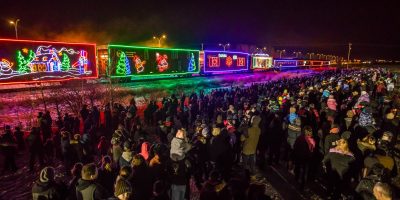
[324, 26]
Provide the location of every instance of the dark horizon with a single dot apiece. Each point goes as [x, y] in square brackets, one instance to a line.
[312, 26]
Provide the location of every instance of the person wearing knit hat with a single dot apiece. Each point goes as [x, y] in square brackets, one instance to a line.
[123, 190]
[46, 187]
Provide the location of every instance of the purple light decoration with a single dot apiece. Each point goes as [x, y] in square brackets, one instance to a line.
[206, 69]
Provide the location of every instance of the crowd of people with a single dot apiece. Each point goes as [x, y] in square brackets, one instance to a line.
[340, 126]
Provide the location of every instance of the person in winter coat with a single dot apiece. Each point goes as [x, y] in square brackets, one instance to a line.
[294, 131]
[365, 187]
[87, 187]
[35, 148]
[123, 190]
[250, 141]
[209, 190]
[107, 174]
[179, 146]
[103, 146]
[157, 166]
[293, 115]
[160, 191]
[338, 163]
[178, 175]
[141, 179]
[8, 147]
[303, 153]
[382, 191]
[331, 138]
[366, 118]
[66, 150]
[389, 124]
[127, 155]
[19, 136]
[144, 151]
[116, 150]
[77, 149]
[46, 187]
[220, 150]
[364, 97]
[275, 139]
[76, 175]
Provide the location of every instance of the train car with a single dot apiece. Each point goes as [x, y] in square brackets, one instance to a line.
[285, 64]
[29, 61]
[136, 62]
[221, 62]
[261, 62]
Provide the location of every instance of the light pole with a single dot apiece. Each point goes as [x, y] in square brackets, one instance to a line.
[297, 53]
[348, 56]
[280, 53]
[224, 45]
[15, 23]
[159, 39]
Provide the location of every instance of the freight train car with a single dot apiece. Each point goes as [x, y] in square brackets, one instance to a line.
[221, 62]
[287, 64]
[135, 62]
[261, 62]
[27, 61]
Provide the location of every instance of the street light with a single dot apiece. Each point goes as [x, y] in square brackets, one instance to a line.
[280, 52]
[297, 53]
[159, 39]
[15, 24]
[224, 45]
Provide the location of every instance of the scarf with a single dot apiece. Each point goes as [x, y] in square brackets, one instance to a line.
[310, 142]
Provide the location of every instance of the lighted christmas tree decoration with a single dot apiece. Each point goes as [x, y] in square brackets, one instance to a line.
[66, 64]
[123, 67]
[192, 63]
[23, 63]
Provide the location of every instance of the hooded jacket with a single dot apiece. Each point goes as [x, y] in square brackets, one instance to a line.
[46, 190]
[125, 159]
[251, 139]
[179, 148]
[90, 190]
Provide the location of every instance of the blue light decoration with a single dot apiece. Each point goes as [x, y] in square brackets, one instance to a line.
[225, 61]
[128, 66]
[192, 63]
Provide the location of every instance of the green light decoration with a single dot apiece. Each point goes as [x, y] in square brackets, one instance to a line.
[65, 64]
[23, 63]
[192, 63]
[123, 67]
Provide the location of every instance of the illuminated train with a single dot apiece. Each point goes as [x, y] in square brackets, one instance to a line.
[28, 61]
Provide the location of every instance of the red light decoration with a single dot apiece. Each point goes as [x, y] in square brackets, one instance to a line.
[213, 61]
[241, 62]
[229, 61]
